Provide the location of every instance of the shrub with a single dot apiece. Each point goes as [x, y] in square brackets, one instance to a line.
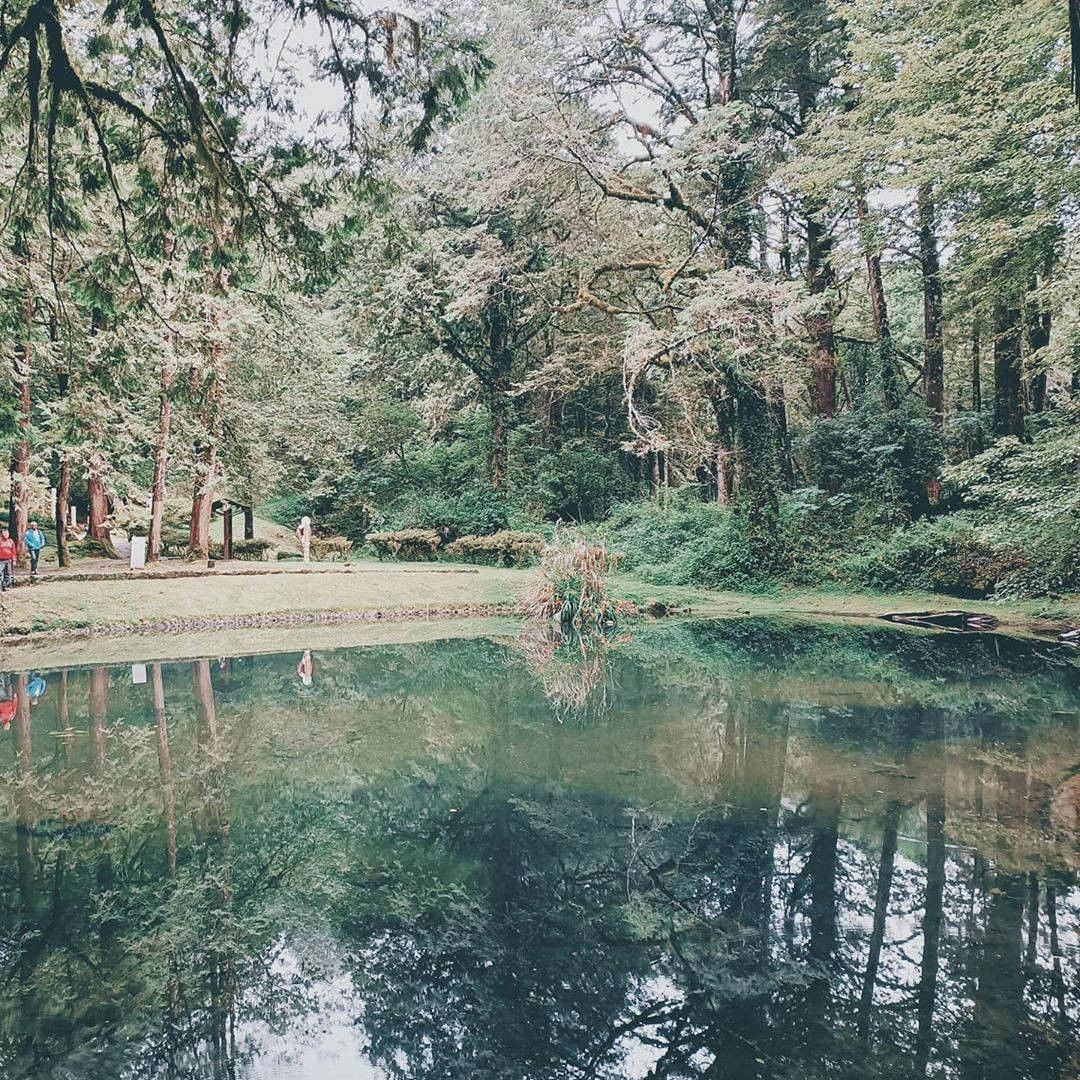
[331, 547]
[1025, 497]
[814, 527]
[946, 556]
[93, 549]
[885, 458]
[474, 511]
[174, 541]
[695, 544]
[1052, 567]
[408, 545]
[252, 550]
[352, 519]
[506, 548]
[581, 484]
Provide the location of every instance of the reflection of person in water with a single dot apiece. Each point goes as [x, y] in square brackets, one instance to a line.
[306, 668]
[9, 703]
[35, 688]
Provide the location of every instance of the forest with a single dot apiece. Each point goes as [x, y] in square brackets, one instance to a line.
[762, 291]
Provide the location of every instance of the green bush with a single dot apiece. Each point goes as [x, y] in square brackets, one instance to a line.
[885, 459]
[815, 526]
[352, 519]
[1025, 496]
[506, 548]
[251, 550]
[581, 484]
[287, 509]
[1052, 567]
[946, 556]
[474, 511]
[695, 544]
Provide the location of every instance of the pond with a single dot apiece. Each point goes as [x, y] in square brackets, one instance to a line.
[728, 849]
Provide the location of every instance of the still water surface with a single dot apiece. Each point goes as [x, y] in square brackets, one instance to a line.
[734, 850]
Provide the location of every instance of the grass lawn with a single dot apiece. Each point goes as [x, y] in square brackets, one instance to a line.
[67, 605]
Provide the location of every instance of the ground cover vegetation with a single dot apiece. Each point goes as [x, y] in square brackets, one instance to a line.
[768, 291]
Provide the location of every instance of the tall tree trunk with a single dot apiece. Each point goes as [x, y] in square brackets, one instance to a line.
[21, 458]
[723, 409]
[97, 499]
[202, 501]
[933, 344]
[499, 359]
[1038, 338]
[778, 411]
[654, 475]
[1008, 401]
[784, 251]
[723, 475]
[733, 225]
[976, 366]
[161, 462]
[879, 311]
[819, 325]
[98, 502]
[63, 490]
[758, 469]
[63, 511]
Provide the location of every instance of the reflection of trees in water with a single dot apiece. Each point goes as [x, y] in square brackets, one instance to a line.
[133, 932]
[848, 884]
[577, 937]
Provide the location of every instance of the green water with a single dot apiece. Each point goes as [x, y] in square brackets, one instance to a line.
[736, 850]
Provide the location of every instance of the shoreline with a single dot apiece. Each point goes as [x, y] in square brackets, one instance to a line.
[117, 619]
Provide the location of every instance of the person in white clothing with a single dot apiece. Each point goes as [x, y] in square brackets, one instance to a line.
[303, 535]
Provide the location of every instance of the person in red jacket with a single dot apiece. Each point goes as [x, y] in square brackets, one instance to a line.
[9, 707]
[8, 554]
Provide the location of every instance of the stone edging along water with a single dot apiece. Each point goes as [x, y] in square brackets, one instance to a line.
[259, 621]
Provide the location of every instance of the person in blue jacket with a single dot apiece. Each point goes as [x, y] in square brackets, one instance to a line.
[35, 688]
[35, 541]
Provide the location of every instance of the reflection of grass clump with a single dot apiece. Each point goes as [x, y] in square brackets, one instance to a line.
[572, 674]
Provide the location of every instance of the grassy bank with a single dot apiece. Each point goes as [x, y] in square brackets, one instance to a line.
[190, 606]
[60, 604]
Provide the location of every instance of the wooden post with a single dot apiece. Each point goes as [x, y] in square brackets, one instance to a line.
[249, 523]
[226, 517]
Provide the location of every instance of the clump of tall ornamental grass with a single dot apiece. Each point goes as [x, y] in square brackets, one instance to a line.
[571, 590]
